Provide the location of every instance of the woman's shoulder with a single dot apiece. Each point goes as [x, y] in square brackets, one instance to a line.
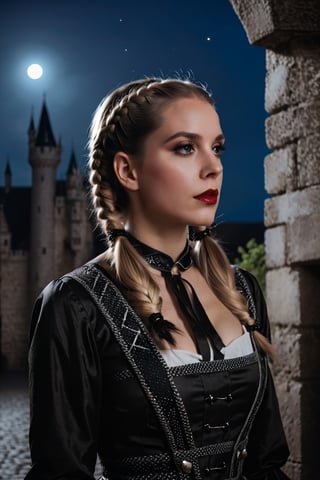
[70, 286]
[248, 285]
[66, 302]
[244, 278]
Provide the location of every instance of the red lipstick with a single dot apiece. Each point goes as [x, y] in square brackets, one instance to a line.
[209, 196]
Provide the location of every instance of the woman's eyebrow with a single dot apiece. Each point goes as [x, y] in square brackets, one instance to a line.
[192, 136]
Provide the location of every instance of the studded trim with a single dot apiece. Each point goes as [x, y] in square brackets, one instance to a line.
[160, 465]
[122, 375]
[243, 287]
[199, 368]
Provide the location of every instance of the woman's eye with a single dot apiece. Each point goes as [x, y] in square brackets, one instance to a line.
[184, 149]
[218, 149]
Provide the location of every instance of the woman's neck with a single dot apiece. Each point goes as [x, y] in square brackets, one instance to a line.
[169, 242]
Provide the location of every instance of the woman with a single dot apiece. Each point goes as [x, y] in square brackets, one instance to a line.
[154, 354]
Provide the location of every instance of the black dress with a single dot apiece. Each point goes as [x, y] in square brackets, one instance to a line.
[86, 399]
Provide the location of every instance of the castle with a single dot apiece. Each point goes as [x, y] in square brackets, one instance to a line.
[45, 231]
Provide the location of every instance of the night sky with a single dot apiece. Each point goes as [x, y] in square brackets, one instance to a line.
[89, 47]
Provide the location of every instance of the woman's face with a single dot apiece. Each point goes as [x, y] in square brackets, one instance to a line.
[179, 173]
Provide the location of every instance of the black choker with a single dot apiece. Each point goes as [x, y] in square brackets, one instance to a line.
[159, 260]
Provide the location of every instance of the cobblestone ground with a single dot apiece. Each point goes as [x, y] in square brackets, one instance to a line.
[14, 426]
[14, 422]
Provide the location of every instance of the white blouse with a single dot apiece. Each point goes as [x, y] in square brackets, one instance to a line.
[239, 347]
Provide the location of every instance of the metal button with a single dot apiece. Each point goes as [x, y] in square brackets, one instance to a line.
[186, 466]
[207, 427]
[208, 470]
[242, 454]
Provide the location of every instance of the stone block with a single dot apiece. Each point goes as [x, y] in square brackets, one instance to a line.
[270, 23]
[280, 170]
[291, 80]
[289, 395]
[290, 206]
[275, 246]
[287, 342]
[298, 352]
[293, 296]
[283, 296]
[303, 239]
[308, 160]
[293, 470]
[289, 125]
[277, 90]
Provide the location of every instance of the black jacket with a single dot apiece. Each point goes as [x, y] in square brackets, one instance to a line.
[86, 399]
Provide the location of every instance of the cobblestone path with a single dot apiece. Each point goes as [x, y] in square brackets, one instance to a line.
[14, 428]
[14, 424]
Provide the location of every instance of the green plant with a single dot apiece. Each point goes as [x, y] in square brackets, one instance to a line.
[252, 258]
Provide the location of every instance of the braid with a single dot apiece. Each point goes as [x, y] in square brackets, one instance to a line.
[130, 271]
[214, 264]
[108, 134]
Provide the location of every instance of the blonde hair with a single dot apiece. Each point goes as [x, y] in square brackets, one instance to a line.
[121, 123]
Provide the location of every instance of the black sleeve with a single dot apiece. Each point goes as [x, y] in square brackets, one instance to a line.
[65, 386]
[267, 447]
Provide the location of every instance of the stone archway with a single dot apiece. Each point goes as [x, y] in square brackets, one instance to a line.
[290, 32]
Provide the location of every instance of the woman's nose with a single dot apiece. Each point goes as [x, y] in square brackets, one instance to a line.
[211, 166]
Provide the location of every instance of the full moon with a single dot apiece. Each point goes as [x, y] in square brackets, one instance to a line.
[34, 71]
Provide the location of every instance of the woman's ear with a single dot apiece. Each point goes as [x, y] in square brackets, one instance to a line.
[125, 170]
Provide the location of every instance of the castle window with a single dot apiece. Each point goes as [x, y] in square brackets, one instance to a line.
[42, 178]
[44, 251]
[5, 242]
[39, 209]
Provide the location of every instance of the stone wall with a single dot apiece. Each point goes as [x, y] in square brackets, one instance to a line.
[15, 313]
[290, 30]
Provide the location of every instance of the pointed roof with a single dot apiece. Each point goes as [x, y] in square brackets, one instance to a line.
[8, 169]
[72, 164]
[31, 125]
[45, 137]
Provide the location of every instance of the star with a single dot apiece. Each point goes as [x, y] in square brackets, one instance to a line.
[208, 39]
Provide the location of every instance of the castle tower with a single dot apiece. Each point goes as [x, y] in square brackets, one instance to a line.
[77, 212]
[7, 178]
[44, 156]
[5, 236]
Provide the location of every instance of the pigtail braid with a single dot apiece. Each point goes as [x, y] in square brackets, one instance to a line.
[132, 274]
[214, 264]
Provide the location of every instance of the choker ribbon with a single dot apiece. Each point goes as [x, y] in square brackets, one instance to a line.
[186, 297]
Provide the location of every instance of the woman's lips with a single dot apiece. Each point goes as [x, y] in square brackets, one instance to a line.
[209, 196]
